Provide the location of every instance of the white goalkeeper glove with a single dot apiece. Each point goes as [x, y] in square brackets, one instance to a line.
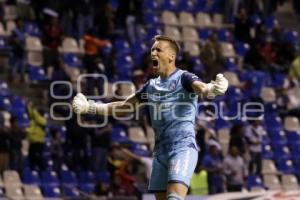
[81, 105]
[217, 87]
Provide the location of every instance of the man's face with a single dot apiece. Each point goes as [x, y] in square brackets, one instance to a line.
[161, 56]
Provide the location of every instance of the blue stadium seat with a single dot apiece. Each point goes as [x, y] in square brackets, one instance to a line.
[32, 29]
[86, 177]
[278, 138]
[224, 35]
[70, 192]
[204, 33]
[4, 90]
[4, 47]
[292, 136]
[254, 181]
[255, 19]
[241, 48]
[151, 19]
[5, 103]
[290, 36]
[18, 106]
[170, 5]
[198, 67]
[72, 60]
[103, 176]
[267, 152]
[122, 47]
[119, 135]
[51, 191]
[270, 22]
[49, 178]
[230, 65]
[285, 166]
[151, 5]
[152, 31]
[139, 50]
[281, 151]
[68, 178]
[37, 74]
[140, 150]
[30, 177]
[187, 6]
[88, 188]
[200, 6]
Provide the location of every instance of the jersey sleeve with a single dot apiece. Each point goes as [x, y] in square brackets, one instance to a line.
[187, 80]
[141, 94]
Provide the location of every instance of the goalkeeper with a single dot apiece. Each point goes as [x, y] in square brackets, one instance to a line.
[172, 100]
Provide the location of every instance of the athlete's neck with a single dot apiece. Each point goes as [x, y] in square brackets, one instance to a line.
[168, 72]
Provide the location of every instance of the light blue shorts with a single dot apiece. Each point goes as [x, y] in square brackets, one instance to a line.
[174, 167]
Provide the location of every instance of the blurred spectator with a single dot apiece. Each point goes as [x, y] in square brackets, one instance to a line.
[83, 15]
[101, 139]
[104, 17]
[212, 163]
[211, 57]
[52, 39]
[24, 10]
[93, 61]
[102, 189]
[199, 185]
[36, 137]
[16, 135]
[296, 5]
[18, 44]
[235, 170]
[253, 59]
[242, 27]
[254, 135]
[294, 71]
[146, 161]
[185, 63]
[231, 9]
[238, 139]
[200, 139]
[57, 150]
[128, 15]
[4, 147]
[125, 172]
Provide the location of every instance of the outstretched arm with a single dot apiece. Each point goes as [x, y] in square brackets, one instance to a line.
[82, 106]
[218, 87]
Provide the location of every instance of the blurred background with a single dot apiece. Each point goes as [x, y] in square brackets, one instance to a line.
[48, 47]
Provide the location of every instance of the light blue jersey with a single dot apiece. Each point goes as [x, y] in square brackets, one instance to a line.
[172, 106]
[172, 110]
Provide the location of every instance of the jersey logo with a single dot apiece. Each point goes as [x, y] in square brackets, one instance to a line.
[172, 85]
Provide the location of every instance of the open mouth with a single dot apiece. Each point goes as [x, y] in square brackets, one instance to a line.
[155, 63]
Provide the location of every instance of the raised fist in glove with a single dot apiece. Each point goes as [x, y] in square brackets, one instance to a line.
[80, 104]
[217, 87]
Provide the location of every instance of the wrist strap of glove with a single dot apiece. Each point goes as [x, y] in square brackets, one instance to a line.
[92, 107]
[210, 90]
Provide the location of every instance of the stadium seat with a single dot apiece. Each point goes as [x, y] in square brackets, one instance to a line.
[289, 182]
[72, 60]
[190, 34]
[224, 35]
[268, 95]
[151, 5]
[11, 178]
[204, 33]
[103, 176]
[30, 177]
[170, 5]
[51, 191]
[268, 167]
[118, 134]
[192, 47]
[254, 181]
[37, 74]
[291, 124]
[203, 20]
[69, 45]
[186, 19]
[33, 44]
[241, 49]
[86, 177]
[49, 178]
[5, 103]
[233, 79]
[32, 192]
[187, 6]
[267, 152]
[227, 50]
[68, 178]
[32, 29]
[272, 182]
[35, 58]
[173, 32]
[281, 151]
[122, 46]
[169, 18]
[88, 188]
[14, 192]
[136, 134]
[285, 166]
[151, 19]
[152, 31]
